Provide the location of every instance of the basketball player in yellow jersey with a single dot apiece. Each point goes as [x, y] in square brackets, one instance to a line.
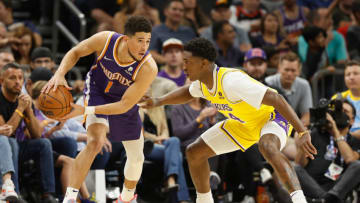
[255, 113]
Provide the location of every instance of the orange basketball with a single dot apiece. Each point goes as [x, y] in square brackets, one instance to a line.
[56, 104]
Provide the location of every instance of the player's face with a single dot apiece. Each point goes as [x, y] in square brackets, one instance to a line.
[256, 68]
[138, 44]
[13, 80]
[352, 77]
[192, 66]
[289, 70]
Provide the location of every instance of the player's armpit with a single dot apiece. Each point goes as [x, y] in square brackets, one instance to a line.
[92, 44]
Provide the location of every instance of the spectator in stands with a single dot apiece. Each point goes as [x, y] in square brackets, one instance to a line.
[273, 57]
[314, 4]
[341, 14]
[247, 16]
[174, 13]
[135, 7]
[255, 64]
[272, 5]
[353, 33]
[297, 90]
[352, 82]
[334, 42]
[172, 51]
[166, 151]
[38, 74]
[270, 34]
[292, 19]
[103, 11]
[42, 57]
[228, 55]
[220, 12]
[5, 38]
[16, 110]
[194, 17]
[23, 49]
[334, 171]
[6, 17]
[6, 56]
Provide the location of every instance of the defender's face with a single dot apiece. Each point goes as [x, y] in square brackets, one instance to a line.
[192, 66]
[138, 44]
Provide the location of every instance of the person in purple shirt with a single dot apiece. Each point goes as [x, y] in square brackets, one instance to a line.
[173, 54]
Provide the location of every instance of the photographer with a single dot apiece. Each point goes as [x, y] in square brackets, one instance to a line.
[334, 171]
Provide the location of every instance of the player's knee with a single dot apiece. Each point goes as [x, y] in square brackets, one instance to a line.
[191, 153]
[136, 158]
[96, 143]
[268, 147]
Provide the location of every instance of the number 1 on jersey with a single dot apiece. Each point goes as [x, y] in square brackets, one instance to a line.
[108, 86]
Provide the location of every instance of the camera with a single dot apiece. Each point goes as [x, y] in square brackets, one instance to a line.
[334, 108]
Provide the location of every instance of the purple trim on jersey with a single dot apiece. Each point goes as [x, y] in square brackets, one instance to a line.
[107, 82]
[280, 120]
[180, 81]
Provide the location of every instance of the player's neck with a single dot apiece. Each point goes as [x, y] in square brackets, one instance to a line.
[208, 79]
[123, 51]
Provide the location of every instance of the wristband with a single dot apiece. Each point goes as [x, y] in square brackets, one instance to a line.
[19, 113]
[341, 138]
[89, 110]
[303, 133]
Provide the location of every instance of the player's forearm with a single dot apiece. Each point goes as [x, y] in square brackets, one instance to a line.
[115, 108]
[178, 96]
[69, 61]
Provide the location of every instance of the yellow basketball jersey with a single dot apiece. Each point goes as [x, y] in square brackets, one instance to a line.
[245, 122]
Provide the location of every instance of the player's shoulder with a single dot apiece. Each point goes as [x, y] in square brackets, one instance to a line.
[150, 65]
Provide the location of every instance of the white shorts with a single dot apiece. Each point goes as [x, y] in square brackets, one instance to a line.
[220, 143]
[92, 118]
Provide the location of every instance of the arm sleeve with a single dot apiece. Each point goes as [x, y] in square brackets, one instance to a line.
[246, 89]
[307, 102]
[181, 127]
[195, 89]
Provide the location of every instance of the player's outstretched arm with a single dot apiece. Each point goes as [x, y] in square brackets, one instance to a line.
[86, 47]
[272, 98]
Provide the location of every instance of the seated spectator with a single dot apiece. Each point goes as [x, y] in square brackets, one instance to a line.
[270, 34]
[334, 171]
[352, 82]
[353, 34]
[314, 4]
[255, 64]
[194, 17]
[135, 7]
[171, 28]
[166, 151]
[292, 19]
[103, 11]
[341, 14]
[38, 74]
[297, 90]
[6, 56]
[5, 38]
[8, 19]
[42, 57]
[247, 16]
[172, 51]
[273, 57]
[220, 12]
[228, 55]
[16, 110]
[23, 49]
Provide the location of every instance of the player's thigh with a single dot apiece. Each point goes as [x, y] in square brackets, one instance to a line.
[274, 133]
[217, 141]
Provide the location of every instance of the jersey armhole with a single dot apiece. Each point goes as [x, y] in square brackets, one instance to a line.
[105, 47]
[137, 69]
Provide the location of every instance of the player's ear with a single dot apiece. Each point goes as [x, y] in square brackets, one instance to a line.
[205, 63]
[126, 38]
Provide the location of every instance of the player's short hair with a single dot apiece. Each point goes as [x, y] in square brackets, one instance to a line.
[201, 47]
[137, 24]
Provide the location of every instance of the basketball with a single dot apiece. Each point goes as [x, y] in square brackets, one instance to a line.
[55, 104]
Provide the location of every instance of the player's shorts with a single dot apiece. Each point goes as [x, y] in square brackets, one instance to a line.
[231, 135]
[122, 127]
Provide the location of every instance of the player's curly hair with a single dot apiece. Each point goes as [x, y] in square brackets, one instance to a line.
[137, 24]
[201, 47]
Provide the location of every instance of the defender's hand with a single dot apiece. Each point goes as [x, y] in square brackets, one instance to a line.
[147, 102]
[77, 110]
[306, 145]
[54, 82]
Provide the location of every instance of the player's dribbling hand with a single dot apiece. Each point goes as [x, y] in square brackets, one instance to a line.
[54, 82]
[306, 145]
[76, 110]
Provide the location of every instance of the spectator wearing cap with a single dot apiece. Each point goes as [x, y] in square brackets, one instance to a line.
[172, 52]
[297, 90]
[42, 57]
[255, 64]
[228, 54]
[171, 28]
[221, 11]
[38, 74]
[6, 56]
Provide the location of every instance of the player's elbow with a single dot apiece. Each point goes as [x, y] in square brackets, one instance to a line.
[272, 98]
